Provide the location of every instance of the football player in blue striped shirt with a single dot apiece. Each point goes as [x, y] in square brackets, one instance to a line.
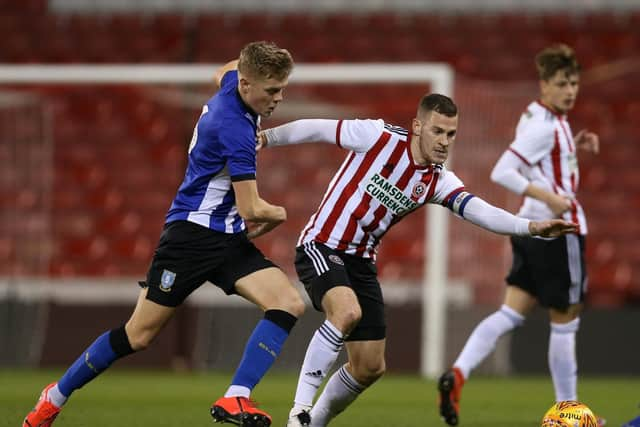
[205, 238]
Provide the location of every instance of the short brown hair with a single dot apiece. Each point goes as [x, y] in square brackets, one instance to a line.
[555, 58]
[439, 103]
[265, 60]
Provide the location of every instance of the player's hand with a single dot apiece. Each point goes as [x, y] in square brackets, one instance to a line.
[257, 230]
[552, 228]
[587, 141]
[277, 217]
[261, 140]
[558, 204]
[261, 228]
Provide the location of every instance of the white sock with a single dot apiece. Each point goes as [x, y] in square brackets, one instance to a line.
[482, 340]
[322, 352]
[56, 397]
[341, 390]
[238, 390]
[562, 359]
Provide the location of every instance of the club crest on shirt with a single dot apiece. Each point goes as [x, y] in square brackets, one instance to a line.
[166, 280]
[336, 259]
[418, 189]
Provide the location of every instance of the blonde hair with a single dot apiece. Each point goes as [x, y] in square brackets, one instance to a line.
[555, 58]
[265, 60]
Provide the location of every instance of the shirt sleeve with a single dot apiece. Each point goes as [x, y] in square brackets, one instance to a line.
[534, 139]
[355, 135]
[239, 148]
[229, 79]
[452, 195]
[507, 172]
[359, 135]
[495, 219]
[303, 131]
[447, 186]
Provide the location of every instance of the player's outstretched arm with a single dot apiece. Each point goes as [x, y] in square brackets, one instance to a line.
[551, 228]
[298, 132]
[499, 221]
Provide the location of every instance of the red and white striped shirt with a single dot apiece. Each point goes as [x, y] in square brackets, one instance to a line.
[376, 186]
[544, 142]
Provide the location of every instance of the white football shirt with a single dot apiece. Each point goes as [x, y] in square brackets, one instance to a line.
[376, 186]
[544, 142]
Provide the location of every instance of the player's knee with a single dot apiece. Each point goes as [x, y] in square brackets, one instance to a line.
[514, 319]
[140, 342]
[140, 339]
[567, 315]
[293, 303]
[377, 370]
[369, 371]
[352, 316]
[297, 307]
[346, 318]
[286, 298]
[570, 327]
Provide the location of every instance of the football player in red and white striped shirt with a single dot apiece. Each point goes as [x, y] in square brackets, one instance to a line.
[540, 164]
[387, 174]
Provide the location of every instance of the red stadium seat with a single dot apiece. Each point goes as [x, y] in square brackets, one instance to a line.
[300, 23]
[105, 200]
[119, 182]
[122, 223]
[68, 199]
[606, 21]
[137, 249]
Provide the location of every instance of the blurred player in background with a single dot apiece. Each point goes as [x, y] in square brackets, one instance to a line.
[205, 239]
[387, 174]
[542, 165]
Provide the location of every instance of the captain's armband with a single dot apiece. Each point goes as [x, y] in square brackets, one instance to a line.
[456, 202]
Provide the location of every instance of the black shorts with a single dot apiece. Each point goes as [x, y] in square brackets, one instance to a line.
[321, 268]
[189, 255]
[551, 270]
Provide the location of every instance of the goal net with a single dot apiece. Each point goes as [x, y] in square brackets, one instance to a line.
[26, 156]
[121, 132]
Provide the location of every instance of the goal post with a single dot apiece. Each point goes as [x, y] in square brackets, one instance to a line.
[438, 77]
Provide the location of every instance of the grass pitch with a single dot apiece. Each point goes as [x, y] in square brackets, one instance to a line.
[132, 398]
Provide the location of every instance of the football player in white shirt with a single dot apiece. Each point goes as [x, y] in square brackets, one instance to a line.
[387, 174]
[540, 164]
